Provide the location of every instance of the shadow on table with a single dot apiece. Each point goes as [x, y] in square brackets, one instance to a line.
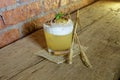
[38, 39]
[117, 74]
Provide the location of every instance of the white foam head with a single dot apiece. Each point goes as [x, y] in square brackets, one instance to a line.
[59, 28]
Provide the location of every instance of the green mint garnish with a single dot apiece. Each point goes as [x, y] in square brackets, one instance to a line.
[58, 16]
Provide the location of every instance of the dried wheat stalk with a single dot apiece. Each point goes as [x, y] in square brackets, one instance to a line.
[82, 53]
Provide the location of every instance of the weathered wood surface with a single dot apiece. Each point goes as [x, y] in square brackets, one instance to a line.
[100, 33]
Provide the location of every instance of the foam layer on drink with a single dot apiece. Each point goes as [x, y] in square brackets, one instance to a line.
[60, 28]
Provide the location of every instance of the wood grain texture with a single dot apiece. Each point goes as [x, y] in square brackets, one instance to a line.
[100, 33]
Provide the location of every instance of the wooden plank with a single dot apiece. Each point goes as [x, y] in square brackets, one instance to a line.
[18, 56]
[103, 69]
[94, 12]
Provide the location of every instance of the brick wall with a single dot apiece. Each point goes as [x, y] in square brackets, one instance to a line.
[21, 17]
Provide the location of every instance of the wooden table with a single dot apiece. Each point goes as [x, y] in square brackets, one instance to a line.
[100, 33]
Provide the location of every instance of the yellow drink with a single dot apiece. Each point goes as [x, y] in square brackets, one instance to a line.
[58, 42]
[58, 36]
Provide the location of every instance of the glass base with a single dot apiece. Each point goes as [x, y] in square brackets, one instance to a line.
[59, 53]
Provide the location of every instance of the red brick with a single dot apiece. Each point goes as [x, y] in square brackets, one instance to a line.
[73, 0]
[8, 37]
[64, 2]
[19, 14]
[45, 18]
[1, 24]
[86, 2]
[24, 0]
[51, 4]
[75, 5]
[36, 24]
[4, 3]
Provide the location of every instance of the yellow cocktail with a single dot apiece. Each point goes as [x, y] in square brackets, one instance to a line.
[58, 36]
[58, 42]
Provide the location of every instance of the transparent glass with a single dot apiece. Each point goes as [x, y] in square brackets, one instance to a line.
[58, 36]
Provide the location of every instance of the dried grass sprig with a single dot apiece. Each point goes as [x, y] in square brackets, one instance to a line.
[83, 56]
